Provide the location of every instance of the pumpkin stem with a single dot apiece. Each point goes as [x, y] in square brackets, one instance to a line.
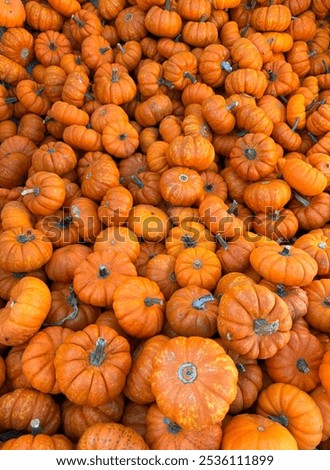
[225, 65]
[167, 83]
[47, 119]
[103, 50]
[178, 38]
[184, 178]
[231, 105]
[187, 373]
[202, 19]
[71, 300]
[303, 201]
[286, 251]
[78, 21]
[121, 48]
[34, 191]
[139, 183]
[240, 367]
[312, 137]
[11, 99]
[103, 272]
[35, 426]
[244, 30]
[275, 215]
[322, 245]
[251, 154]
[222, 241]
[187, 74]
[233, 207]
[150, 301]
[25, 237]
[97, 356]
[326, 302]
[199, 304]
[261, 327]
[11, 434]
[281, 419]
[280, 290]
[188, 241]
[326, 68]
[114, 75]
[295, 124]
[302, 366]
[172, 277]
[64, 223]
[172, 427]
[271, 76]
[197, 264]
[167, 5]
[311, 104]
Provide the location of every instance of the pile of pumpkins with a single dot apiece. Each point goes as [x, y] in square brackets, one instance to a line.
[165, 224]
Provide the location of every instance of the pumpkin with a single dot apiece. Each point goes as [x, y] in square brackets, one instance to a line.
[38, 441]
[44, 193]
[202, 379]
[193, 152]
[163, 433]
[139, 306]
[25, 311]
[20, 406]
[192, 311]
[99, 376]
[160, 269]
[318, 313]
[12, 13]
[111, 436]
[254, 432]
[137, 387]
[265, 316]
[38, 358]
[302, 356]
[77, 418]
[289, 406]
[30, 249]
[287, 265]
[68, 311]
[95, 279]
[254, 156]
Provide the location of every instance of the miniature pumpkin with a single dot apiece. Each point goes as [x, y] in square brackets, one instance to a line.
[186, 364]
[99, 374]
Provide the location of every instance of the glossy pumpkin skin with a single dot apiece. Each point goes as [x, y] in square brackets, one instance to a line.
[264, 319]
[111, 436]
[193, 381]
[255, 432]
[25, 311]
[162, 434]
[99, 374]
[295, 410]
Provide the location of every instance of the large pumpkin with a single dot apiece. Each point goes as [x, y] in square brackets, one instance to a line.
[194, 381]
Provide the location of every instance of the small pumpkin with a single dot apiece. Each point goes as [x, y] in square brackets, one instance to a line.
[99, 374]
[187, 365]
